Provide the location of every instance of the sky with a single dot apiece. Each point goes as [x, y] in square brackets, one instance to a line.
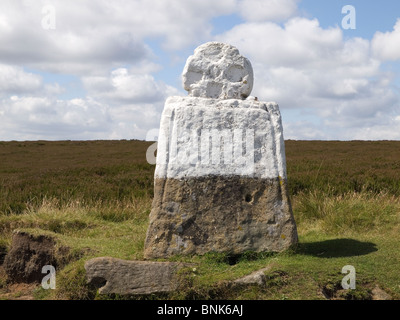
[88, 70]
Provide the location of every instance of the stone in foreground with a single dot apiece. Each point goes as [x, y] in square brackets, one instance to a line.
[123, 277]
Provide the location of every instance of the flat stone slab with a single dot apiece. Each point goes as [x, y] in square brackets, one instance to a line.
[124, 277]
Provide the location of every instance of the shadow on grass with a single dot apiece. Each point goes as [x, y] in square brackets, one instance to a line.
[336, 248]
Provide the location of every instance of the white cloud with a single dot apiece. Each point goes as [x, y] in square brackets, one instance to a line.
[267, 10]
[306, 67]
[386, 46]
[304, 129]
[299, 64]
[301, 42]
[13, 79]
[123, 104]
[302, 61]
[33, 118]
[103, 44]
[135, 101]
[27, 118]
[385, 131]
[92, 37]
[122, 86]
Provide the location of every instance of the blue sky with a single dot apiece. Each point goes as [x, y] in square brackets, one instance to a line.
[94, 70]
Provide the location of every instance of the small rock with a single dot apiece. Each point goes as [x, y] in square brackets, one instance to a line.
[379, 294]
[258, 277]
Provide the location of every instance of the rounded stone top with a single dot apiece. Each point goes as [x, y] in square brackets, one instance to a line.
[217, 70]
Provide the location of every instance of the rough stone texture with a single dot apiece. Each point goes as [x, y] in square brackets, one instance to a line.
[255, 143]
[28, 254]
[116, 276]
[379, 294]
[217, 70]
[256, 278]
[219, 213]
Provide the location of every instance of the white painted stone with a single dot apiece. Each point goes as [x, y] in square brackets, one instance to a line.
[220, 177]
[218, 71]
[201, 137]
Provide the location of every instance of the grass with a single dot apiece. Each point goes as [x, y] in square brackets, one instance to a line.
[95, 197]
[89, 171]
[339, 167]
[353, 212]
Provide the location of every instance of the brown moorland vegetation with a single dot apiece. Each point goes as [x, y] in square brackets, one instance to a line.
[95, 197]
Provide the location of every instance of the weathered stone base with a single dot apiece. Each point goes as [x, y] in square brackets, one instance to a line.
[219, 213]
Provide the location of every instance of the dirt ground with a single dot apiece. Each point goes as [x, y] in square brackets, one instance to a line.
[18, 291]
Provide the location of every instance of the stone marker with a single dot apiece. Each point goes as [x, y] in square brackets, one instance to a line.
[220, 178]
[116, 276]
